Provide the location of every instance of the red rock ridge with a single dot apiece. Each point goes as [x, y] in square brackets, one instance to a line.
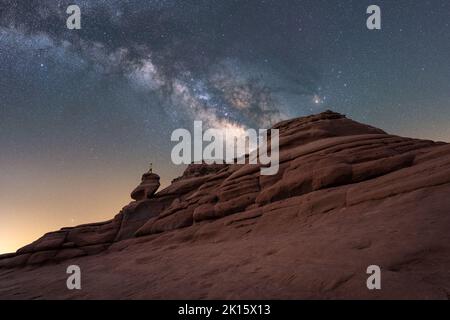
[344, 192]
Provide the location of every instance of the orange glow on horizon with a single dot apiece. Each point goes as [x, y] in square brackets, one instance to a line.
[34, 202]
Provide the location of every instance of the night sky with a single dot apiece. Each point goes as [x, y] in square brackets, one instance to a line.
[83, 112]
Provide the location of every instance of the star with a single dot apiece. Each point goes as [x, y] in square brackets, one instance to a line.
[317, 99]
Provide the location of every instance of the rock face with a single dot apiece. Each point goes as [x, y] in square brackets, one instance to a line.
[346, 196]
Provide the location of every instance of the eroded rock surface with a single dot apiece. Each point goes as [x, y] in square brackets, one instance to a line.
[346, 196]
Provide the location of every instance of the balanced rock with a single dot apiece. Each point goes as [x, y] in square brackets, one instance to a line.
[147, 188]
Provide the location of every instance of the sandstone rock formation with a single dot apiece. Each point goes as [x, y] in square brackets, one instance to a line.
[346, 196]
[147, 188]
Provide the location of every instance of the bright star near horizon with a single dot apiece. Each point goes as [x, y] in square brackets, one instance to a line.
[317, 99]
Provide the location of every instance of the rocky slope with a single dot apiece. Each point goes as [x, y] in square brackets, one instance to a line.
[347, 196]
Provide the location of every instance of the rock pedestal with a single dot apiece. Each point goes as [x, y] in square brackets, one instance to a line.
[147, 188]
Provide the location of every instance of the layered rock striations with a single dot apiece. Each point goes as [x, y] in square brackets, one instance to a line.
[346, 196]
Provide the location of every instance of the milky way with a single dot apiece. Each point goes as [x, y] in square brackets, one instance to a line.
[183, 57]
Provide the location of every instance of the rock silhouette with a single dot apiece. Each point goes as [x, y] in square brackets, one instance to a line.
[347, 196]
